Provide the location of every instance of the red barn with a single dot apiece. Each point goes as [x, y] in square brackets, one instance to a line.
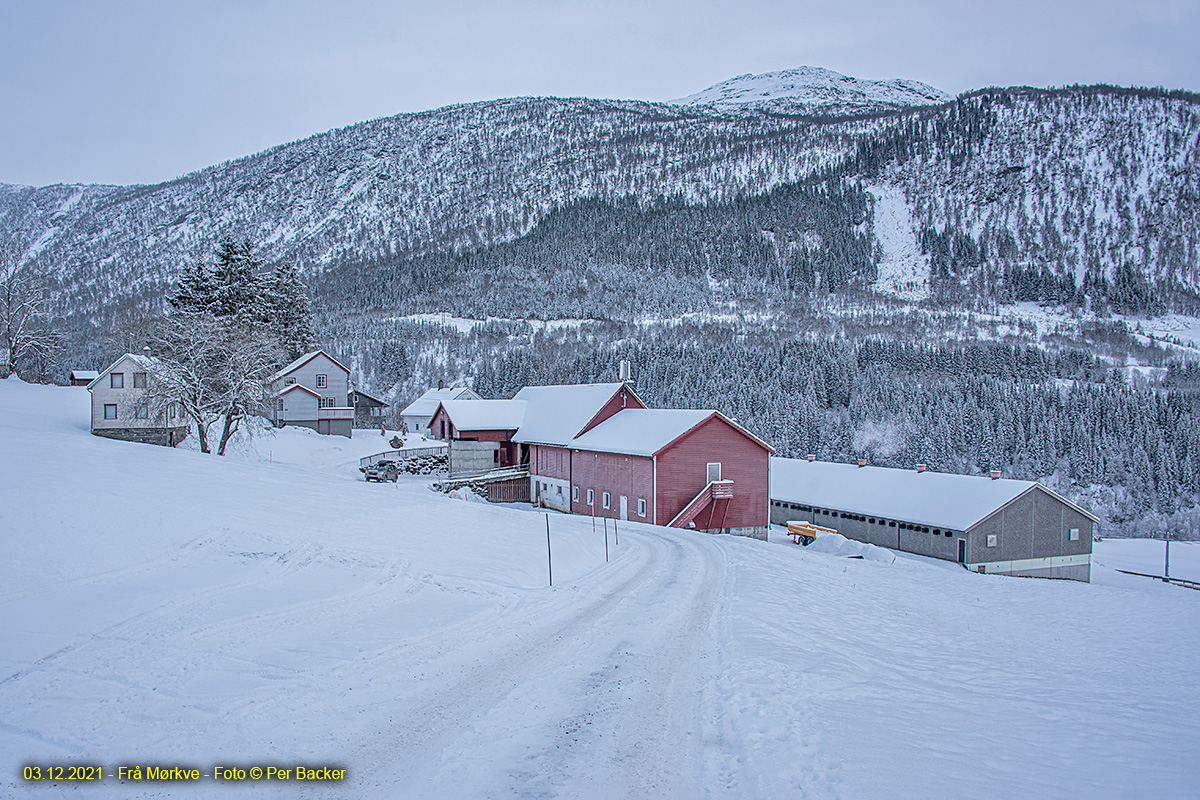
[596, 449]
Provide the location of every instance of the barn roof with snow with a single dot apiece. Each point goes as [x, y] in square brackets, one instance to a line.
[646, 431]
[426, 405]
[555, 415]
[484, 415]
[926, 498]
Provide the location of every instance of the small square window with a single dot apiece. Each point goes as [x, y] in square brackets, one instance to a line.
[591, 497]
[641, 506]
[141, 412]
[288, 381]
[110, 410]
[1074, 534]
[606, 498]
[139, 380]
[992, 539]
[116, 380]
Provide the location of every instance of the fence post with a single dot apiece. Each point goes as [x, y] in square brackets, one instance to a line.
[549, 562]
[606, 540]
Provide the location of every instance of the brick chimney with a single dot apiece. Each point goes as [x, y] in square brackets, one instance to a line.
[862, 462]
[995, 474]
[812, 456]
[922, 467]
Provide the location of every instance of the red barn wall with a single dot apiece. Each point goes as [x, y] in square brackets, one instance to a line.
[632, 476]
[682, 473]
[550, 462]
[614, 404]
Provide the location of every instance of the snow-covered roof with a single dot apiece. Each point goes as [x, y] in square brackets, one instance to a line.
[426, 404]
[641, 431]
[485, 415]
[937, 499]
[84, 374]
[296, 386]
[555, 414]
[301, 361]
[145, 362]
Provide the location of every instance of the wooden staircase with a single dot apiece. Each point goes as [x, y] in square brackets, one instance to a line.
[707, 509]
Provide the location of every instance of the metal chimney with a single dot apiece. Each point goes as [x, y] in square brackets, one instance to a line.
[624, 370]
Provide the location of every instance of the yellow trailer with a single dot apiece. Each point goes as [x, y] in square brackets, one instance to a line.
[805, 533]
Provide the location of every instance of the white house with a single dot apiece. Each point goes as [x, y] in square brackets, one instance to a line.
[313, 391]
[419, 412]
[124, 405]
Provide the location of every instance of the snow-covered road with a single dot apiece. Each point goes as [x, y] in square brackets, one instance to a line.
[164, 607]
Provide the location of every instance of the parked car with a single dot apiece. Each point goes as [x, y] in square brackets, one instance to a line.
[382, 471]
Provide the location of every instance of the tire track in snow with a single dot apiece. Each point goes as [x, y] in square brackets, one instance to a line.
[590, 693]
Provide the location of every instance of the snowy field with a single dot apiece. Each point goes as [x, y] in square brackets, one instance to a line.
[162, 607]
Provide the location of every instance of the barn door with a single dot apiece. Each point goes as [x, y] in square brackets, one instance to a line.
[624, 507]
[962, 551]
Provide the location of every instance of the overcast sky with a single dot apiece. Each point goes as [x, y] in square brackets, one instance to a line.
[141, 91]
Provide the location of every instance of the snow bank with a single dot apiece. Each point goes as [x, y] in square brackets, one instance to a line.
[164, 607]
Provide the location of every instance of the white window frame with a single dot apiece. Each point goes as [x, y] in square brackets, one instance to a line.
[1074, 534]
[606, 498]
[113, 406]
[709, 471]
[322, 381]
[591, 497]
[641, 506]
[574, 494]
[993, 539]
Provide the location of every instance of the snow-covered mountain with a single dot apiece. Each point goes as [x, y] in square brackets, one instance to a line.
[1080, 195]
[817, 91]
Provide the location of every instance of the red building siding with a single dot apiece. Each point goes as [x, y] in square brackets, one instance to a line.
[682, 473]
[622, 399]
[550, 462]
[631, 476]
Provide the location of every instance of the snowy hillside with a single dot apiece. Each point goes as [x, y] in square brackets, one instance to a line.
[814, 90]
[162, 607]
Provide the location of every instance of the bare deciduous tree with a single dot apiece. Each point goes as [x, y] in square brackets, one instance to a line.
[24, 314]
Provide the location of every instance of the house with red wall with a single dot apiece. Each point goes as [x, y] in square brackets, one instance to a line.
[596, 449]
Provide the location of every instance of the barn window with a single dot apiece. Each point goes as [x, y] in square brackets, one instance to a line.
[937, 531]
[991, 540]
[322, 381]
[641, 506]
[575, 494]
[139, 380]
[591, 497]
[606, 499]
[714, 471]
[871, 521]
[892, 524]
[947, 533]
[1074, 534]
[288, 381]
[110, 410]
[116, 380]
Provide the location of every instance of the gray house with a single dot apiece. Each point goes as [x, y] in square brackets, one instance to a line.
[991, 525]
[126, 406]
[419, 412]
[312, 391]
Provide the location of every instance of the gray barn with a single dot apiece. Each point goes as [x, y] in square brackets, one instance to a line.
[992, 525]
